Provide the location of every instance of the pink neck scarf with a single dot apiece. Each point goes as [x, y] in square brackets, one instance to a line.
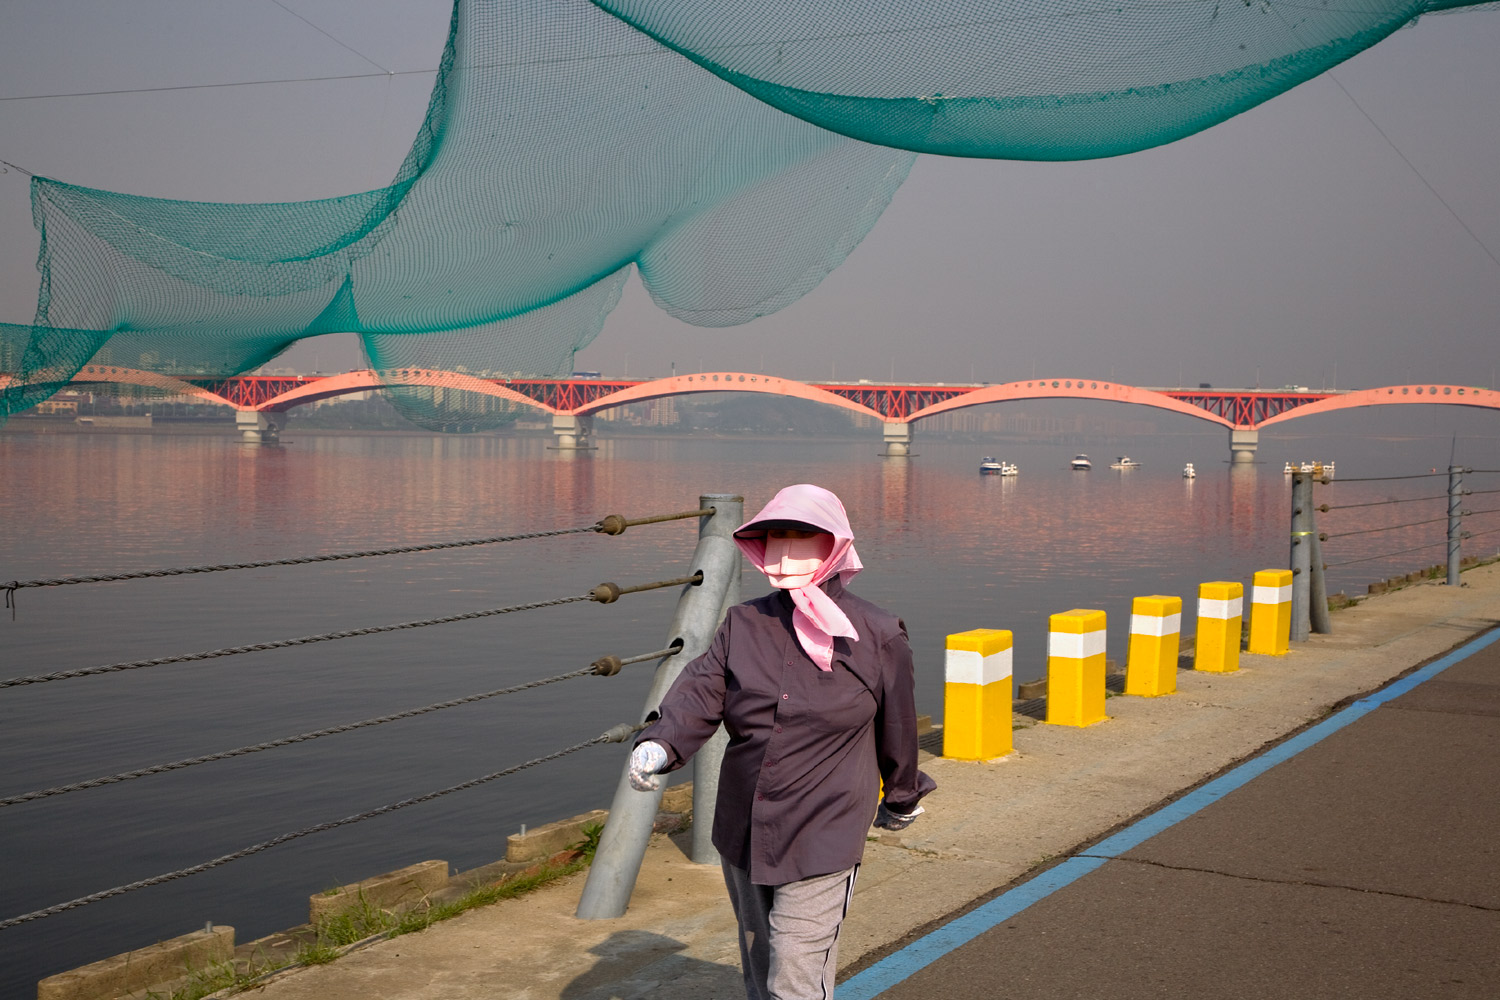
[816, 618]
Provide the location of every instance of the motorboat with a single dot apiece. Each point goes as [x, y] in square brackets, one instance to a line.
[1124, 462]
[1188, 472]
[992, 467]
[1082, 462]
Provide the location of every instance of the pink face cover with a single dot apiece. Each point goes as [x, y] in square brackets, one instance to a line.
[816, 619]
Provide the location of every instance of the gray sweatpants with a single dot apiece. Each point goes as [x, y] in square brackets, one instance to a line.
[789, 934]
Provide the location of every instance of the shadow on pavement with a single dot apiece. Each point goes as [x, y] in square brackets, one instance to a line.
[636, 964]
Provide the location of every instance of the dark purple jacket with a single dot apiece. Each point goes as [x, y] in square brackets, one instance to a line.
[807, 748]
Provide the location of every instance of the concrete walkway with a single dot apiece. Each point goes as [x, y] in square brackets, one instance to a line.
[1369, 813]
[1363, 866]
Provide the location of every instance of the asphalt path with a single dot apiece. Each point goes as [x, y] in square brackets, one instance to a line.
[1362, 860]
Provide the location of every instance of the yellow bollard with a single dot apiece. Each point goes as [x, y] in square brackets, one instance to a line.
[1075, 668]
[977, 695]
[1271, 612]
[1155, 639]
[1220, 607]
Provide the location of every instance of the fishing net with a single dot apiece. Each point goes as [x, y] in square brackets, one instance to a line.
[568, 141]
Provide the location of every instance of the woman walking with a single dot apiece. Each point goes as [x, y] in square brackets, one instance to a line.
[816, 689]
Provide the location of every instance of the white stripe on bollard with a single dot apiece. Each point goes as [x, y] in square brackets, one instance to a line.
[1152, 625]
[966, 666]
[1271, 595]
[1210, 608]
[1075, 645]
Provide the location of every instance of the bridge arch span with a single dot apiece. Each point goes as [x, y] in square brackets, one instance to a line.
[95, 374]
[1395, 395]
[681, 385]
[1111, 392]
[362, 381]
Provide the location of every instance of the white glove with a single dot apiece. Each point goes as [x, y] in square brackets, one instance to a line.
[887, 819]
[645, 760]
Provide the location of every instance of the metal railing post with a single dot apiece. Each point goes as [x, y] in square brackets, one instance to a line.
[1301, 557]
[707, 762]
[622, 845]
[1455, 522]
[1317, 598]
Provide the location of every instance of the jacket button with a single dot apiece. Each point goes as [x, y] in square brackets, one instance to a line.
[785, 697]
[761, 798]
[778, 729]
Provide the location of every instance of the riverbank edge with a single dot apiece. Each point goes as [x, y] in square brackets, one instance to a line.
[992, 824]
[272, 955]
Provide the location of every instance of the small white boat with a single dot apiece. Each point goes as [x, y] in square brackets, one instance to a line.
[1125, 462]
[1082, 462]
[1316, 468]
[991, 467]
[1188, 472]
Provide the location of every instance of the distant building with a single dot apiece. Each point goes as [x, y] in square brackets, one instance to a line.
[63, 403]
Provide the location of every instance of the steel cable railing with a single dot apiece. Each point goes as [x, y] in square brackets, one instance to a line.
[605, 666]
[1325, 508]
[611, 524]
[1454, 516]
[711, 562]
[1388, 527]
[1383, 479]
[617, 734]
[1387, 555]
[605, 593]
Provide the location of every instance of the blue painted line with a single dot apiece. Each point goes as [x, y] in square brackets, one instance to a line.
[924, 951]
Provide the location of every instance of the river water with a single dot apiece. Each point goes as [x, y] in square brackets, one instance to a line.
[945, 548]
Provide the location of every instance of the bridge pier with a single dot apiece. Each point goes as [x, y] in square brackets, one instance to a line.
[259, 426]
[1242, 444]
[574, 432]
[897, 439]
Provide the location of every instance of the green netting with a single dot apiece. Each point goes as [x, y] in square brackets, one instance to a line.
[568, 140]
[1018, 79]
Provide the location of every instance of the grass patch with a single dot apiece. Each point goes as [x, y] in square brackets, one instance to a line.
[338, 934]
[215, 978]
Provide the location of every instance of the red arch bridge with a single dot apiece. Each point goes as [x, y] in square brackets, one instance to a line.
[263, 400]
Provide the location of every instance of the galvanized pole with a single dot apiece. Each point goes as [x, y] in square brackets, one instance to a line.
[1317, 603]
[1455, 522]
[1301, 556]
[622, 845]
[710, 758]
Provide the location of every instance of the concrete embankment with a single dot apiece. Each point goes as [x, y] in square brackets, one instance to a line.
[988, 825]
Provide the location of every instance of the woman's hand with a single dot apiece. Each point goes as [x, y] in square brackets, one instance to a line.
[645, 760]
[886, 819]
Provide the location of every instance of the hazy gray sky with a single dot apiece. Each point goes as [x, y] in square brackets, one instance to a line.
[1284, 244]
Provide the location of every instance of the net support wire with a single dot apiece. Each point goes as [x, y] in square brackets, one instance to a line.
[605, 593]
[604, 666]
[615, 734]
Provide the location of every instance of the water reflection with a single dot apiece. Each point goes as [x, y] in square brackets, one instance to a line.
[895, 492]
[945, 548]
